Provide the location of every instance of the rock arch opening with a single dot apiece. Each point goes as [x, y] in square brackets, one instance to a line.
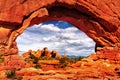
[56, 35]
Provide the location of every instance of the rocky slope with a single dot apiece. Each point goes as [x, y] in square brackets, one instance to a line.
[31, 67]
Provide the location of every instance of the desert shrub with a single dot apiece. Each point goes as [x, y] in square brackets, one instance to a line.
[32, 58]
[35, 59]
[10, 73]
[52, 58]
[1, 54]
[44, 58]
[19, 78]
[1, 57]
[63, 65]
[74, 60]
[37, 66]
[28, 60]
[118, 73]
[63, 62]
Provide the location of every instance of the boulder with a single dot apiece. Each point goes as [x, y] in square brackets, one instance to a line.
[45, 53]
[55, 54]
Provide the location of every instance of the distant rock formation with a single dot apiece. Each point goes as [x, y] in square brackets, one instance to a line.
[43, 53]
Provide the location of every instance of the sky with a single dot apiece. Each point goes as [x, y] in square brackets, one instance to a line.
[56, 35]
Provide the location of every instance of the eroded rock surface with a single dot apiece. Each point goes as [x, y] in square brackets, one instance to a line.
[99, 19]
[86, 69]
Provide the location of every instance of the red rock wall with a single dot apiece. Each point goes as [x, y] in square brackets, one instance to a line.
[99, 19]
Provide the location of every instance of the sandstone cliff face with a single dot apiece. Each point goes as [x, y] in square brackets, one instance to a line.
[99, 19]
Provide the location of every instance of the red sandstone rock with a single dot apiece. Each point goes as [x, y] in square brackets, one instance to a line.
[64, 56]
[45, 53]
[38, 53]
[2, 74]
[100, 19]
[14, 62]
[55, 54]
[28, 72]
[108, 53]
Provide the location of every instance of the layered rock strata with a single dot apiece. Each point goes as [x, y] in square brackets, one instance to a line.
[99, 19]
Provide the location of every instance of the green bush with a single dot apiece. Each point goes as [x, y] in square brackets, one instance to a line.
[44, 58]
[63, 62]
[28, 60]
[10, 73]
[1, 54]
[1, 57]
[19, 78]
[74, 60]
[37, 66]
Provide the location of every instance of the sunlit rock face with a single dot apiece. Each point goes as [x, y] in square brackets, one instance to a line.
[99, 19]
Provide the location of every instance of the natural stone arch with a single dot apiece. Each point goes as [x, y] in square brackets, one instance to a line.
[89, 16]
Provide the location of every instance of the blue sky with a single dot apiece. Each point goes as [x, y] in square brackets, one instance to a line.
[56, 35]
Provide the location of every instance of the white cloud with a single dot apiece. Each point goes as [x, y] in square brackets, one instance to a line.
[69, 40]
[51, 27]
[71, 29]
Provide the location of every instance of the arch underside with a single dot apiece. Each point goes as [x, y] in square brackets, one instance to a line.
[103, 31]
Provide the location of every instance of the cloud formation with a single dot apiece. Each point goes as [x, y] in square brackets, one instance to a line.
[67, 40]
